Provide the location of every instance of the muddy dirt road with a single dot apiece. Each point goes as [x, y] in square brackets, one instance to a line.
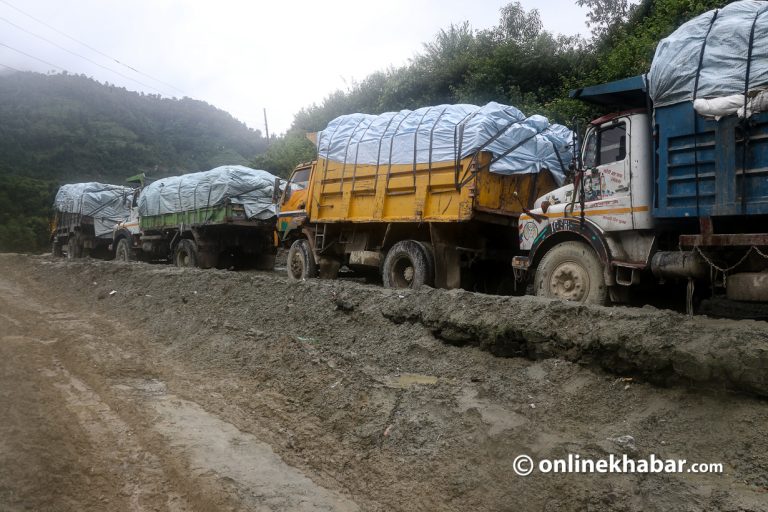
[138, 387]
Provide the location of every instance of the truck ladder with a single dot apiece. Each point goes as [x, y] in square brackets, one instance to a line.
[320, 238]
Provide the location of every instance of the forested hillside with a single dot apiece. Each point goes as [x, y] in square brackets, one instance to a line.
[66, 128]
[516, 62]
[72, 128]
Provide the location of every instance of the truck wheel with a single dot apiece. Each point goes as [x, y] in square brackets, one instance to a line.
[571, 271]
[56, 249]
[429, 254]
[123, 250]
[301, 262]
[408, 265]
[185, 254]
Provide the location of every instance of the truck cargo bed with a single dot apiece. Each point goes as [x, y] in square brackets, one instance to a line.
[221, 214]
[702, 167]
[440, 192]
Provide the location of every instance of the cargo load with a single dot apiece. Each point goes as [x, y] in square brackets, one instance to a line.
[717, 54]
[106, 204]
[251, 188]
[222, 218]
[449, 133]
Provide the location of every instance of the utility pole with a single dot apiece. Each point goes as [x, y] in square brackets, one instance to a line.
[266, 125]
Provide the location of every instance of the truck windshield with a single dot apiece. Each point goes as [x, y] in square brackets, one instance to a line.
[606, 145]
[300, 179]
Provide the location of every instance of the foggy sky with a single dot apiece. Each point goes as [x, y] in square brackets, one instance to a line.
[242, 56]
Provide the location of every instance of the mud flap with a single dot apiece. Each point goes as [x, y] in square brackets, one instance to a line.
[447, 259]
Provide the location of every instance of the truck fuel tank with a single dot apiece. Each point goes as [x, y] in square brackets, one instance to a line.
[677, 264]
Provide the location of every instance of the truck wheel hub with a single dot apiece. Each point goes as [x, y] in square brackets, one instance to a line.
[569, 281]
[297, 265]
[408, 274]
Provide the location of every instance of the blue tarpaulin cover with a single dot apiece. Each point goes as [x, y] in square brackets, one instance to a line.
[444, 133]
[239, 184]
[724, 37]
[107, 204]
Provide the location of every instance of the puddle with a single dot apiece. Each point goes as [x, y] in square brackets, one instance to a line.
[497, 417]
[215, 446]
[407, 380]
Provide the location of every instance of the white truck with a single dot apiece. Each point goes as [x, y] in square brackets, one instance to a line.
[674, 186]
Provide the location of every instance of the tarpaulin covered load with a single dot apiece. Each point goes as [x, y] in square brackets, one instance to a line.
[239, 184]
[107, 204]
[719, 53]
[444, 133]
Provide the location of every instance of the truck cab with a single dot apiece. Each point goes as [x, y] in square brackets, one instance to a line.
[293, 202]
[586, 240]
[127, 234]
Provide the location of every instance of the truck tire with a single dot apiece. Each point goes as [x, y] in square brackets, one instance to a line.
[747, 287]
[56, 249]
[185, 254]
[571, 271]
[301, 261]
[123, 250]
[429, 253]
[408, 265]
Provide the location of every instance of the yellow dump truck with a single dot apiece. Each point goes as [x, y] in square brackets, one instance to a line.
[437, 221]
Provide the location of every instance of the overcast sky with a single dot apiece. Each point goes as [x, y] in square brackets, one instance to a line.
[241, 56]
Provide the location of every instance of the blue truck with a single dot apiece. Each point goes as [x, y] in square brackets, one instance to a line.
[674, 184]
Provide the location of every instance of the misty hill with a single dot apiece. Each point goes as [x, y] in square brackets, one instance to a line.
[63, 128]
[71, 128]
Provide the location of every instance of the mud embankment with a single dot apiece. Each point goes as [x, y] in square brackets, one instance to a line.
[661, 346]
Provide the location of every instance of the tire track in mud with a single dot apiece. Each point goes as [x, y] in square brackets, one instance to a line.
[150, 450]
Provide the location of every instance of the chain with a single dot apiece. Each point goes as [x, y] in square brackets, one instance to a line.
[714, 269]
[723, 271]
[758, 251]
[726, 270]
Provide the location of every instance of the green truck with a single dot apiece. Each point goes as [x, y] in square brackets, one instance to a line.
[220, 218]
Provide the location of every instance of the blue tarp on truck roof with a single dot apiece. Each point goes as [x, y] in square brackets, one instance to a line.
[708, 56]
[446, 133]
[251, 188]
[107, 204]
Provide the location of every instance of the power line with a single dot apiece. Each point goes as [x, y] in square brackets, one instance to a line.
[10, 67]
[92, 48]
[78, 55]
[32, 56]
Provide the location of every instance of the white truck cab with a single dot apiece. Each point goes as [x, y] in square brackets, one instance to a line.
[586, 237]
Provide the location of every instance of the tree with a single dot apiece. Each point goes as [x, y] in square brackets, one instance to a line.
[602, 15]
[285, 153]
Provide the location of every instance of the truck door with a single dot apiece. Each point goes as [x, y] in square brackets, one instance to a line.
[607, 179]
[293, 203]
